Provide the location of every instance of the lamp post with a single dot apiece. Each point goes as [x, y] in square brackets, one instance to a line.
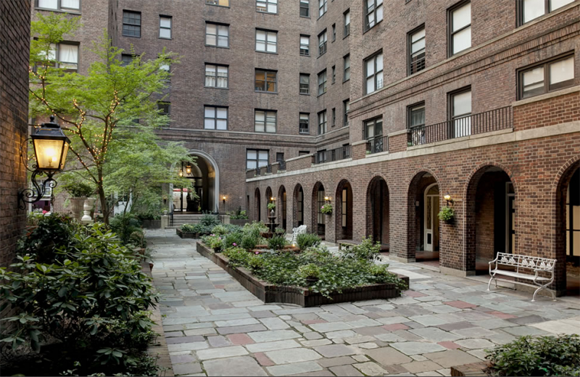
[50, 149]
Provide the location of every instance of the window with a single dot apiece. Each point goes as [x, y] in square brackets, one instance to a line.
[60, 4]
[333, 116]
[322, 82]
[373, 128]
[266, 81]
[266, 41]
[265, 121]
[267, 6]
[126, 59]
[165, 27]
[167, 68]
[304, 83]
[460, 20]
[322, 7]
[131, 24]
[374, 73]
[216, 76]
[164, 108]
[460, 112]
[344, 208]
[300, 206]
[66, 56]
[417, 51]
[320, 158]
[333, 74]
[304, 124]
[346, 109]
[256, 158]
[373, 13]
[216, 118]
[304, 45]
[322, 122]
[346, 61]
[532, 9]
[547, 77]
[346, 23]
[304, 8]
[416, 115]
[333, 32]
[217, 35]
[279, 157]
[221, 3]
[322, 43]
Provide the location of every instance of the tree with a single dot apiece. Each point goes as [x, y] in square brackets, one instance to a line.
[110, 114]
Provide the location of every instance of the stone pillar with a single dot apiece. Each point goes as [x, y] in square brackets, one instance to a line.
[164, 221]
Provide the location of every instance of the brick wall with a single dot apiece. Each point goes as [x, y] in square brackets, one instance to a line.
[14, 47]
[556, 110]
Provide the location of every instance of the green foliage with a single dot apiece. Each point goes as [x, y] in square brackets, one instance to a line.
[209, 220]
[92, 295]
[220, 230]
[271, 206]
[188, 228]
[232, 240]
[309, 271]
[277, 242]
[256, 262]
[137, 239]
[238, 214]
[78, 189]
[280, 231]
[326, 209]
[49, 234]
[366, 249]
[249, 241]
[307, 240]
[213, 241]
[124, 225]
[238, 257]
[446, 214]
[542, 356]
[255, 227]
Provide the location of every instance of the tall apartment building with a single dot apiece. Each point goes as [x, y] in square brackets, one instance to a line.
[388, 110]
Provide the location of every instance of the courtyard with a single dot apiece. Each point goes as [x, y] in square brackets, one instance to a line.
[213, 326]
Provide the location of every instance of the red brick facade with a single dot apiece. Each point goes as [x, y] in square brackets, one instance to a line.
[14, 56]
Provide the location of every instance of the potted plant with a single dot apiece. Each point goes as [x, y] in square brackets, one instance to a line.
[326, 209]
[78, 191]
[272, 208]
[446, 214]
[310, 272]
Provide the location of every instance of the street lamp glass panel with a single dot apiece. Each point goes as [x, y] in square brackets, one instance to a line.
[50, 153]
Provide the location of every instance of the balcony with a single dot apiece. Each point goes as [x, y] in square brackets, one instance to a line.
[378, 144]
[341, 153]
[475, 124]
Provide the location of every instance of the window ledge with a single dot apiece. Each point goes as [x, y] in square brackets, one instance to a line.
[78, 12]
[264, 92]
[543, 97]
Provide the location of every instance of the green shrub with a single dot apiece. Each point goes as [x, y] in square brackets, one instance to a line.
[188, 228]
[271, 206]
[309, 271]
[238, 215]
[249, 241]
[255, 227]
[209, 221]
[307, 240]
[137, 239]
[124, 225]
[366, 250]
[277, 242]
[232, 240]
[542, 356]
[213, 241]
[50, 234]
[79, 189]
[233, 228]
[238, 256]
[91, 296]
[256, 262]
[446, 214]
[220, 230]
[280, 231]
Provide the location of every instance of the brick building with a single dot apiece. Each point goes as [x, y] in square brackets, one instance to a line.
[383, 110]
[14, 46]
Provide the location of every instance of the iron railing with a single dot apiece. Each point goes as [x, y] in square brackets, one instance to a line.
[489, 121]
[378, 144]
[417, 64]
[336, 154]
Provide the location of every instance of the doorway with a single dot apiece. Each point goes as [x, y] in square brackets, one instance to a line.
[431, 218]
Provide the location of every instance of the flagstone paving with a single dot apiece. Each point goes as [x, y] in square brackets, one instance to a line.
[215, 327]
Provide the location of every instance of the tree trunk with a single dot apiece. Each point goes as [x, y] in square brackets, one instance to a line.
[102, 197]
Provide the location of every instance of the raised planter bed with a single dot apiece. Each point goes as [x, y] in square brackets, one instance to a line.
[183, 234]
[476, 369]
[270, 293]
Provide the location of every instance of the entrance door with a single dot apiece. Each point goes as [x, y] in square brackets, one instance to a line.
[431, 218]
[511, 215]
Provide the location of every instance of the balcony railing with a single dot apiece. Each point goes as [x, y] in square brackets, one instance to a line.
[489, 121]
[378, 144]
[341, 153]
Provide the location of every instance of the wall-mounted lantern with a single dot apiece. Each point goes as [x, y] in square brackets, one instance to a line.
[448, 199]
[50, 150]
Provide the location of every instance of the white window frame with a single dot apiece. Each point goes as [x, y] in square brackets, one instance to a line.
[378, 72]
[271, 39]
[215, 118]
[259, 162]
[219, 35]
[43, 4]
[162, 28]
[217, 76]
[461, 30]
[264, 6]
[264, 126]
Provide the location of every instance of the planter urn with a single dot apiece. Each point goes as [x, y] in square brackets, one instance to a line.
[76, 206]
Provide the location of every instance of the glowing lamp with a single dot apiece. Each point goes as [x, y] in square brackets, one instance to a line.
[188, 169]
[50, 147]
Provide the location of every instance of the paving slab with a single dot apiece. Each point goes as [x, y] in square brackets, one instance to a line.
[187, 369]
[475, 343]
[236, 366]
[571, 326]
[451, 358]
[272, 346]
[336, 361]
[335, 350]
[220, 353]
[525, 330]
[435, 334]
[345, 370]
[293, 369]
[417, 348]
[388, 356]
[421, 366]
[370, 369]
[272, 336]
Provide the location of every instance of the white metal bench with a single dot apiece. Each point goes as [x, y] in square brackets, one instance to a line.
[539, 270]
[296, 232]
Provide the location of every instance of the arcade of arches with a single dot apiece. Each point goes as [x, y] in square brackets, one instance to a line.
[403, 218]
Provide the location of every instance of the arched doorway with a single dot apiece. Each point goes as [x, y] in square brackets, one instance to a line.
[378, 221]
[298, 206]
[568, 229]
[423, 226]
[318, 218]
[269, 199]
[203, 180]
[257, 206]
[282, 208]
[490, 218]
[343, 211]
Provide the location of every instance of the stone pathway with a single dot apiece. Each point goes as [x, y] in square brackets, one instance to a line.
[215, 327]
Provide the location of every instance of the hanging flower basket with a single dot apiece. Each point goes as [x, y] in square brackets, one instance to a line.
[326, 209]
[446, 214]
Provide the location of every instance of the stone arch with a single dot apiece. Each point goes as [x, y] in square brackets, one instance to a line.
[489, 216]
[257, 205]
[418, 239]
[282, 207]
[318, 219]
[298, 206]
[213, 178]
[343, 210]
[377, 211]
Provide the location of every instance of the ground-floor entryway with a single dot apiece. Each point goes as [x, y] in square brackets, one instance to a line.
[215, 327]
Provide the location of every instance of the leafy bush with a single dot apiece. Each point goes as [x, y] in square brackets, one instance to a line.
[277, 242]
[213, 241]
[232, 240]
[256, 262]
[137, 238]
[326, 209]
[209, 220]
[542, 356]
[220, 230]
[249, 241]
[90, 297]
[124, 225]
[307, 240]
[271, 206]
[366, 249]
[79, 189]
[238, 215]
[446, 214]
[280, 231]
[49, 234]
[238, 257]
[188, 228]
[309, 271]
[255, 227]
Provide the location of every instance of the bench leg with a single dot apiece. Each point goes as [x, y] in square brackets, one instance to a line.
[490, 280]
[544, 286]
